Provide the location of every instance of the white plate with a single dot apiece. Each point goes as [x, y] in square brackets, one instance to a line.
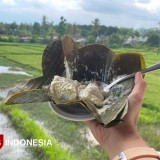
[73, 112]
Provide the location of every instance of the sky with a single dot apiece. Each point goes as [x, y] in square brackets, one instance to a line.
[120, 13]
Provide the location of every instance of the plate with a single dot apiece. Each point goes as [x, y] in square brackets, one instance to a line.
[71, 112]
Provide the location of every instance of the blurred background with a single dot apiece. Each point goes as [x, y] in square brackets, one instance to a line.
[26, 27]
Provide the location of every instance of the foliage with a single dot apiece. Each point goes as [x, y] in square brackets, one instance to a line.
[154, 40]
[149, 121]
[8, 80]
[30, 130]
[65, 131]
[26, 54]
[59, 128]
[68, 133]
[150, 133]
[61, 27]
[95, 28]
[45, 31]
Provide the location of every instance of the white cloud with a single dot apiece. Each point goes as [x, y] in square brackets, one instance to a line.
[58, 4]
[153, 6]
[66, 5]
[9, 2]
[116, 13]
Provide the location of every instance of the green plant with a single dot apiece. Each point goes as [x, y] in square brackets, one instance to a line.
[30, 130]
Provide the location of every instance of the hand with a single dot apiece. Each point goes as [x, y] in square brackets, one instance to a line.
[124, 135]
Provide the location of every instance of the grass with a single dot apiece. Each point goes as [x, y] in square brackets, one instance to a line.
[8, 80]
[20, 48]
[30, 130]
[149, 121]
[153, 86]
[5, 62]
[66, 131]
[14, 64]
[26, 54]
[28, 60]
[151, 134]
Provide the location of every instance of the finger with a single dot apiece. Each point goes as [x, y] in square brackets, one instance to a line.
[138, 91]
[135, 99]
[91, 123]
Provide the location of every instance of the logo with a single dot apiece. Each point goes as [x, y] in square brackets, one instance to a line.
[1, 140]
[28, 142]
[24, 142]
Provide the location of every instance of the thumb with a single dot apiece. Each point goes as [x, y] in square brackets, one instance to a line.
[138, 91]
[135, 99]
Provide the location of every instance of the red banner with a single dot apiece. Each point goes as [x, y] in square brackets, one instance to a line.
[1, 140]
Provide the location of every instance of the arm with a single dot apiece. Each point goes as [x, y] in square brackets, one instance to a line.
[124, 135]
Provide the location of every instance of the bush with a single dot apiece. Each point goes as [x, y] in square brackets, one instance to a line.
[154, 40]
[4, 38]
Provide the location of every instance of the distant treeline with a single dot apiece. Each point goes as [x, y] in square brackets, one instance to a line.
[95, 32]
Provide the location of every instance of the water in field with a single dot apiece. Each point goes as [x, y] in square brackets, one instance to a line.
[16, 70]
[10, 70]
[3, 92]
[8, 152]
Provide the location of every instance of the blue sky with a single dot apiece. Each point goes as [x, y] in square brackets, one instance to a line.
[121, 13]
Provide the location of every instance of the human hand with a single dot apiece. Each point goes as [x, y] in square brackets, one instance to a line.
[124, 135]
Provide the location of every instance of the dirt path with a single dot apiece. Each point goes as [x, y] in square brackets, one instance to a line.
[12, 152]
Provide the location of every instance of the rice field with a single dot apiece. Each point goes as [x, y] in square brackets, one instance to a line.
[28, 57]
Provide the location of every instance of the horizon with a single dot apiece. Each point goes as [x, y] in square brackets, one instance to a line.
[130, 14]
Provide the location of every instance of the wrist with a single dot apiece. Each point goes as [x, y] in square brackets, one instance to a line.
[121, 142]
[138, 153]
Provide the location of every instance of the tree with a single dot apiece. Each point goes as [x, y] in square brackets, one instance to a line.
[36, 28]
[45, 26]
[159, 36]
[115, 40]
[103, 30]
[96, 27]
[75, 29]
[51, 30]
[13, 28]
[61, 29]
[2, 28]
[153, 40]
[22, 29]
